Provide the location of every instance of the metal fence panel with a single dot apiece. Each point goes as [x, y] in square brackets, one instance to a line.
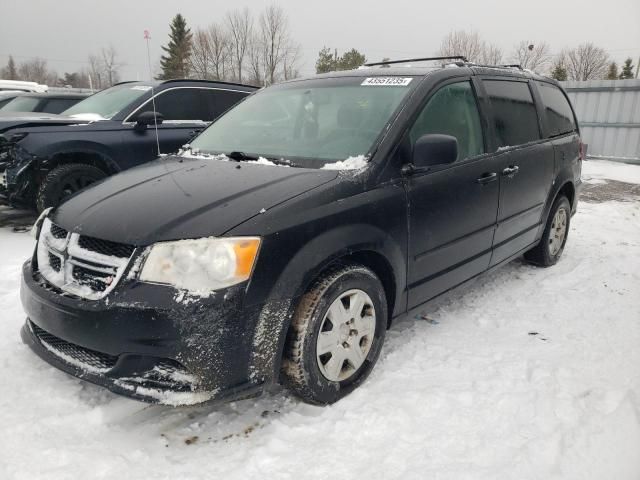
[609, 115]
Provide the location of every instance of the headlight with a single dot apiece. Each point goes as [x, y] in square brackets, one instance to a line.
[201, 265]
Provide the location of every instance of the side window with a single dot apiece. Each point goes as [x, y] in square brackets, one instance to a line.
[181, 104]
[219, 101]
[558, 114]
[514, 114]
[452, 110]
[57, 105]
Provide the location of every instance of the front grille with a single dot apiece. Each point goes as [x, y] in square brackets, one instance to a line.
[105, 247]
[79, 265]
[74, 354]
[54, 262]
[58, 232]
[97, 281]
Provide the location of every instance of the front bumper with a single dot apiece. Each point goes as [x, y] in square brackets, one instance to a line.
[146, 341]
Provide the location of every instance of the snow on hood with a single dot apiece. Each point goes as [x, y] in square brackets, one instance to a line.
[187, 152]
[92, 117]
[351, 163]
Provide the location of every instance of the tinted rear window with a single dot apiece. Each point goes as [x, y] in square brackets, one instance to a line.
[514, 114]
[557, 111]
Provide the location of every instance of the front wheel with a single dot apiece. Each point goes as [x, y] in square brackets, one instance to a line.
[63, 181]
[336, 335]
[554, 237]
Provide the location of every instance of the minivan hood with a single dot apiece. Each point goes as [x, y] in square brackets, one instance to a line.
[174, 198]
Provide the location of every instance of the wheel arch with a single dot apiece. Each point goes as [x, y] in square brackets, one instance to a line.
[379, 252]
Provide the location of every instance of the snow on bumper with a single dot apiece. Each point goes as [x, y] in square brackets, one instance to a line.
[147, 345]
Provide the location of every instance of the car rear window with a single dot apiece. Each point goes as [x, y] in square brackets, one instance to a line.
[515, 118]
[558, 114]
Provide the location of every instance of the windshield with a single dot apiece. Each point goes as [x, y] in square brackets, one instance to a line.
[107, 103]
[21, 104]
[308, 122]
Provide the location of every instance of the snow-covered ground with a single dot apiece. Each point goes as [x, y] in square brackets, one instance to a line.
[527, 373]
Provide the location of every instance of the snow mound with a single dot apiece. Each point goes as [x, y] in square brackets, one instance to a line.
[351, 163]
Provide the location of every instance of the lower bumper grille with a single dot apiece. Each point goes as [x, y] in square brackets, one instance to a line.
[76, 355]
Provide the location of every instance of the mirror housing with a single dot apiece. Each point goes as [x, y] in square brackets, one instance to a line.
[148, 118]
[434, 149]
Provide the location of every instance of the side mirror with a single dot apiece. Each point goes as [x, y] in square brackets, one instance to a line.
[434, 149]
[148, 118]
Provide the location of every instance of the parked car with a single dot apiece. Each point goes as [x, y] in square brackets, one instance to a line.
[41, 102]
[22, 86]
[284, 241]
[44, 160]
[8, 95]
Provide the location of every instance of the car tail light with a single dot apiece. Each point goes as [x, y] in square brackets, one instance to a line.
[582, 150]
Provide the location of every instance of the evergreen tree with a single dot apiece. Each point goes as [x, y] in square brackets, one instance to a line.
[10, 72]
[559, 72]
[326, 61]
[176, 63]
[386, 59]
[351, 59]
[612, 74]
[627, 70]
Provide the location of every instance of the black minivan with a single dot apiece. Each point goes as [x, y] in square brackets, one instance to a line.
[282, 243]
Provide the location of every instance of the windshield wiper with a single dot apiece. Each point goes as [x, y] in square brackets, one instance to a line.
[242, 157]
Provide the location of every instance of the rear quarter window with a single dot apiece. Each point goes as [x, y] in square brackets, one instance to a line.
[558, 115]
[514, 114]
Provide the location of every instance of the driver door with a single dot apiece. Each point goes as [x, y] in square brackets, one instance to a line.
[452, 208]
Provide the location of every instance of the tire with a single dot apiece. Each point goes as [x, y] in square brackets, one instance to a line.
[317, 379]
[554, 237]
[63, 181]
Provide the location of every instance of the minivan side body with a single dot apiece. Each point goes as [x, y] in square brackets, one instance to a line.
[421, 231]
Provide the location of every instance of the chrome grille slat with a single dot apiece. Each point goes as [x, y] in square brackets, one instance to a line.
[80, 265]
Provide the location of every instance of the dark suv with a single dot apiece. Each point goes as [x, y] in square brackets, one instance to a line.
[298, 227]
[43, 161]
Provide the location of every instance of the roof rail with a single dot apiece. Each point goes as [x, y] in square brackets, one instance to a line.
[461, 58]
[206, 81]
[124, 82]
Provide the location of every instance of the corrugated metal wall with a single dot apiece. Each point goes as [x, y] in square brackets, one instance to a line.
[609, 115]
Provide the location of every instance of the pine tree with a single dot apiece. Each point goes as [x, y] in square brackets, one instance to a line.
[612, 74]
[351, 59]
[10, 72]
[559, 72]
[627, 70]
[326, 61]
[176, 63]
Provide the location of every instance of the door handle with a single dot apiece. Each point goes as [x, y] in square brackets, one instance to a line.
[510, 171]
[487, 178]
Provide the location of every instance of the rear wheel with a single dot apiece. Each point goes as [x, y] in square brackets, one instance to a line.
[554, 237]
[336, 335]
[65, 180]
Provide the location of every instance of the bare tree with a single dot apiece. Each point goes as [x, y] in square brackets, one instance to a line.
[586, 62]
[274, 36]
[110, 66]
[471, 46]
[532, 55]
[490, 55]
[36, 71]
[240, 25]
[290, 64]
[467, 44]
[257, 63]
[96, 72]
[201, 55]
[219, 43]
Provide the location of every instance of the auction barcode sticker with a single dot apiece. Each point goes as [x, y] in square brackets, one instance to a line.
[387, 81]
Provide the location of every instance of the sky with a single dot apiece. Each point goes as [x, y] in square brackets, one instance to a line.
[65, 32]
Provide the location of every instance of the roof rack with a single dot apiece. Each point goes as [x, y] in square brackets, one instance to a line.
[172, 80]
[461, 58]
